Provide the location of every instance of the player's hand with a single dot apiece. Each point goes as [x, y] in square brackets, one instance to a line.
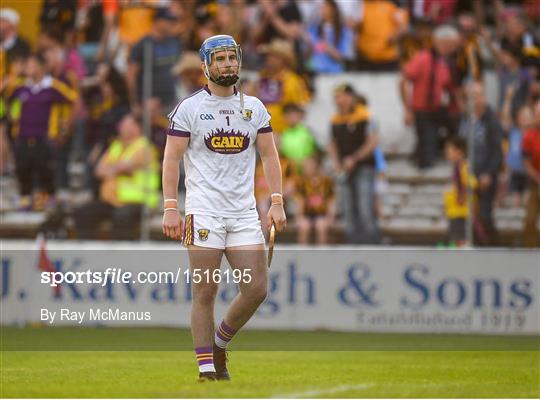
[173, 225]
[276, 214]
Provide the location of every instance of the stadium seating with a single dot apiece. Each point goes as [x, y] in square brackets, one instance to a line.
[411, 208]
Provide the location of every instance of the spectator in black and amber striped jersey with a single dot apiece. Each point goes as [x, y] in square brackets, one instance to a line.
[315, 202]
[352, 151]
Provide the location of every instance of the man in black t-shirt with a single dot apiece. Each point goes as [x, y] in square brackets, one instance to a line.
[165, 52]
[351, 149]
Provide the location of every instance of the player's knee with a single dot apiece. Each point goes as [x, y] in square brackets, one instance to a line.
[204, 294]
[258, 294]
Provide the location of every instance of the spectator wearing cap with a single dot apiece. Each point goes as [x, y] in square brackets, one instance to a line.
[279, 84]
[428, 75]
[330, 41]
[164, 50]
[487, 133]
[352, 149]
[189, 73]
[12, 46]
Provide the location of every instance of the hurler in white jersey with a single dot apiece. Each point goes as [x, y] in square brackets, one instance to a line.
[217, 131]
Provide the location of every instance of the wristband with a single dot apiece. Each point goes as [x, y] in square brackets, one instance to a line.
[170, 209]
[170, 203]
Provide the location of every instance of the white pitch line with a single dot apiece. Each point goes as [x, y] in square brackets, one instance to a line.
[332, 390]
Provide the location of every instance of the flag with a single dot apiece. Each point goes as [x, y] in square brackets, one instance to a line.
[44, 263]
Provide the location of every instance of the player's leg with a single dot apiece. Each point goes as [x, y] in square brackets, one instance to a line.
[203, 261]
[205, 238]
[246, 254]
[251, 260]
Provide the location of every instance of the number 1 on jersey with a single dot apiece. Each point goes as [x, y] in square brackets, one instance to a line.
[228, 121]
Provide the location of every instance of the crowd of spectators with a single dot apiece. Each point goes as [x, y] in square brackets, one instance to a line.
[81, 89]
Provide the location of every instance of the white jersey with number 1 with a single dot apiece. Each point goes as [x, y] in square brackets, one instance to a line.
[220, 159]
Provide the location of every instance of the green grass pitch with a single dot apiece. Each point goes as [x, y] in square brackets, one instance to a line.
[124, 362]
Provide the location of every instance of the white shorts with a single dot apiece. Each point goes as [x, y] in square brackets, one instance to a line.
[220, 232]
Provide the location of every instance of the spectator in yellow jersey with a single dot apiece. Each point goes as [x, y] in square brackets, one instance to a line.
[456, 200]
[279, 84]
[129, 180]
[315, 202]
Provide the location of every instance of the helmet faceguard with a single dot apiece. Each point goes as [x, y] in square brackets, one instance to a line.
[212, 46]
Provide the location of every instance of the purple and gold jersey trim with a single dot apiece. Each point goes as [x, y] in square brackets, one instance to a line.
[189, 235]
[176, 132]
[266, 129]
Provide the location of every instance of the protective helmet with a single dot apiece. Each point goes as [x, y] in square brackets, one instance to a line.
[219, 43]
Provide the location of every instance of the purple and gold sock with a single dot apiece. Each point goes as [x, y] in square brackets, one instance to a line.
[224, 334]
[205, 359]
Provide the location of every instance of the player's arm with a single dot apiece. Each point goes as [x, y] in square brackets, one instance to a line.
[272, 172]
[174, 151]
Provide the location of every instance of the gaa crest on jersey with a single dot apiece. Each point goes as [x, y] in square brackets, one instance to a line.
[203, 234]
[246, 114]
[226, 142]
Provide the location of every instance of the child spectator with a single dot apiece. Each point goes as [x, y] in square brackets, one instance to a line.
[297, 142]
[455, 199]
[315, 202]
